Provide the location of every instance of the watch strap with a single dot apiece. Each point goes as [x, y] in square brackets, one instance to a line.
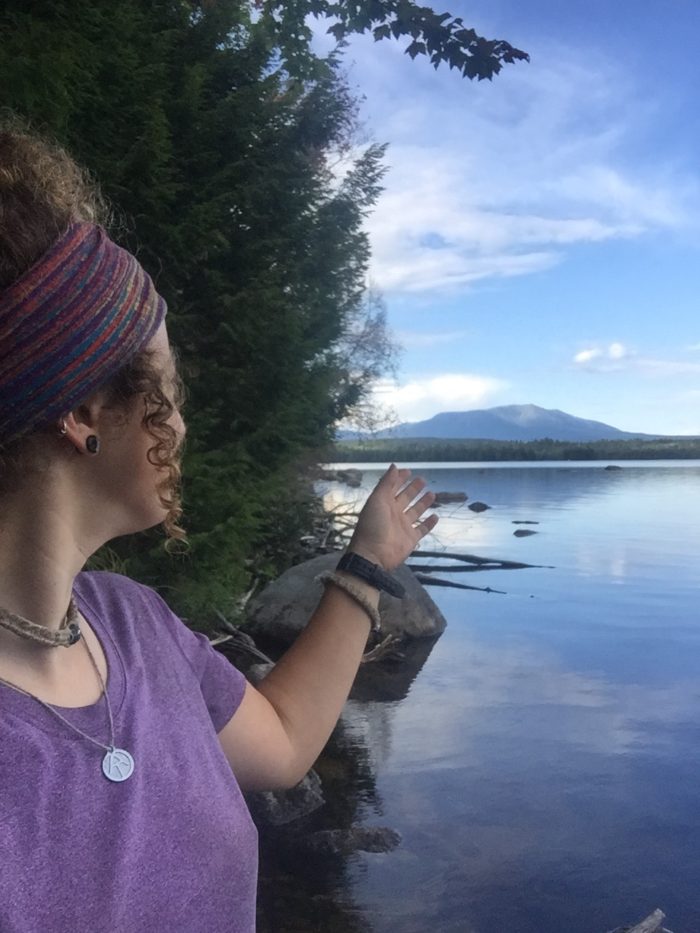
[374, 574]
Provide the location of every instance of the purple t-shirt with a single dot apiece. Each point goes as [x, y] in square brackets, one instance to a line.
[171, 848]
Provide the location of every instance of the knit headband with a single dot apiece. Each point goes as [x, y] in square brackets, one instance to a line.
[68, 325]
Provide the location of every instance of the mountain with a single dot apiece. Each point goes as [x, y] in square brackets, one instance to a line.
[509, 423]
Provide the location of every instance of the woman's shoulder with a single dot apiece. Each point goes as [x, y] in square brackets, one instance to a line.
[115, 585]
[116, 595]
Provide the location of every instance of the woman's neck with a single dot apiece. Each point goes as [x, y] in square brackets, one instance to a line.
[40, 556]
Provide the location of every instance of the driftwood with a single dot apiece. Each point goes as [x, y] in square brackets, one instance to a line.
[651, 924]
[479, 563]
[462, 568]
[385, 647]
[428, 579]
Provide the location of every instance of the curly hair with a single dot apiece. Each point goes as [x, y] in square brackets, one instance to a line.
[42, 191]
[140, 378]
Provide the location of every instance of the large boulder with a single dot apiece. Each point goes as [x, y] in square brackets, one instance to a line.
[283, 608]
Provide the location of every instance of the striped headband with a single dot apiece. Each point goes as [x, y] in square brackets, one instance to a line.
[68, 325]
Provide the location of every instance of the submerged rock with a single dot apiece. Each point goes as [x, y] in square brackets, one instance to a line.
[341, 842]
[478, 506]
[279, 807]
[524, 532]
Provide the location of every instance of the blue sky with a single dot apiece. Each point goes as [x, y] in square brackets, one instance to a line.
[538, 239]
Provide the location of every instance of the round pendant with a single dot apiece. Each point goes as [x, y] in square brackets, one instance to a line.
[117, 765]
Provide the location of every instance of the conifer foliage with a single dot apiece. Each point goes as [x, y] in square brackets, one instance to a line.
[217, 135]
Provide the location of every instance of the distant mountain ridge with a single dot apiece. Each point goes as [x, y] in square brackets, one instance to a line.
[509, 423]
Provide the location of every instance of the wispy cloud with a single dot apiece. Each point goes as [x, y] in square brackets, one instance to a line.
[422, 397]
[616, 357]
[587, 356]
[497, 180]
[654, 367]
[603, 357]
[408, 338]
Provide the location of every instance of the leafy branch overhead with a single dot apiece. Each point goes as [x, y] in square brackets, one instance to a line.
[443, 38]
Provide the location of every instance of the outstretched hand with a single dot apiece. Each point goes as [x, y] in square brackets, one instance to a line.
[387, 530]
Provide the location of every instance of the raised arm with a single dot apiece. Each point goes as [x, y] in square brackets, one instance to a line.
[282, 725]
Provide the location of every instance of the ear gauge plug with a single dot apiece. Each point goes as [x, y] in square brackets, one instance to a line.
[92, 444]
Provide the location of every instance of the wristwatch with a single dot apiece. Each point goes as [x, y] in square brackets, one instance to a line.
[371, 573]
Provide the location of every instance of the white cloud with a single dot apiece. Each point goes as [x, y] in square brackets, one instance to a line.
[422, 398]
[585, 356]
[617, 351]
[499, 179]
[616, 357]
[608, 357]
[418, 339]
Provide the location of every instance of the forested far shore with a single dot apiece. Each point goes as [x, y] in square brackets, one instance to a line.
[454, 450]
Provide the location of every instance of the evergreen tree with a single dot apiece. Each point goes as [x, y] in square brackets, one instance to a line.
[210, 127]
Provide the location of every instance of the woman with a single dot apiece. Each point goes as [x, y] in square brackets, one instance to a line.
[125, 740]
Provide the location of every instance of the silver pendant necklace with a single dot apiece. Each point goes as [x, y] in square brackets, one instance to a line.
[117, 764]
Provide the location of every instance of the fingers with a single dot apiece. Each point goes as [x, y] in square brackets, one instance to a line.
[409, 494]
[416, 510]
[394, 478]
[409, 491]
[426, 525]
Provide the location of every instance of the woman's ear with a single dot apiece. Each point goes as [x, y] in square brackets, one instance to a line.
[81, 427]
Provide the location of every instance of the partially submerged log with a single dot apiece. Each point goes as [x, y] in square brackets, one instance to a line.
[428, 579]
[650, 924]
[478, 563]
[462, 568]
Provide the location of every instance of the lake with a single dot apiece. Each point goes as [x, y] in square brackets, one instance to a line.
[543, 768]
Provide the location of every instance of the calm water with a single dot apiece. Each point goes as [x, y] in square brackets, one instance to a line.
[544, 767]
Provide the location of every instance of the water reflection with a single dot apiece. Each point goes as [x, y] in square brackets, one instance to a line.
[305, 877]
[526, 793]
[544, 768]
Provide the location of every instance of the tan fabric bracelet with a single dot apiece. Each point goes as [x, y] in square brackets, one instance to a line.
[355, 593]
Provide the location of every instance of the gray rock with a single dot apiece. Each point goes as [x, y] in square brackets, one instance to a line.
[256, 672]
[524, 532]
[478, 506]
[445, 498]
[350, 477]
[356, 839]
[279, 807]
[283, 608]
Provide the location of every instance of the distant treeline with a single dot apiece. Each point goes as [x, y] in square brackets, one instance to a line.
[435, 449]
